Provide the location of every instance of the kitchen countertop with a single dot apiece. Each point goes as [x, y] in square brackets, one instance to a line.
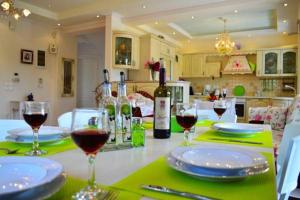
[252, 97]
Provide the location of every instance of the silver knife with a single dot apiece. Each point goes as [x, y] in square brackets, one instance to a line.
[158, 188]
[234, 140]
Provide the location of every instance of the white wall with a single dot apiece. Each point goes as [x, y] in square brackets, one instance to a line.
[90, 66]
[33, 35]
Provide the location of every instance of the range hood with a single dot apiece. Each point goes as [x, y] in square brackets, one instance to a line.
[237, 65]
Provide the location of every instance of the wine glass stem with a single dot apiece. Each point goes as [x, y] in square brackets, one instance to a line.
[91, 181]
[35, 143]
[187, 137]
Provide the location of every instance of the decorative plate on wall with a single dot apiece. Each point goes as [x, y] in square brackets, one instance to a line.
[239, 90]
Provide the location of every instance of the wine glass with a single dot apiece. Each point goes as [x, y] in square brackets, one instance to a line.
[186, 117]
[220, 107]
[35, 114]
[90, 132]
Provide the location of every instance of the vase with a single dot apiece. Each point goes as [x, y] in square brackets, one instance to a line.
[154, 75]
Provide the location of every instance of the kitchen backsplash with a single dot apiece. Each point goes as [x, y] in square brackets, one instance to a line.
[253, 85]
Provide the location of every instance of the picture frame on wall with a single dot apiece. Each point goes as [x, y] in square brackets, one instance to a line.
[41, 58]
[26, 56]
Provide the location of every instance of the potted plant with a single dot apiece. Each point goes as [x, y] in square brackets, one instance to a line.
[154, 69]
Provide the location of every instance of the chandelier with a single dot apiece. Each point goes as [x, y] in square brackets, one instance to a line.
[8, 8]
[224, 45]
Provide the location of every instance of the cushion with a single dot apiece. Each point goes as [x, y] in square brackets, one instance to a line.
[257, 113]
[293, 113]
[276, 117]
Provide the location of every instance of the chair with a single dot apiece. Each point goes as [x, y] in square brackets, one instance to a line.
[288, 162]
[65, 120]
[205, 111]
[8, 124]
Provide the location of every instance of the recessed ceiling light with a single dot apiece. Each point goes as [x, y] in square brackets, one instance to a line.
[193, 17]
[98, 16]
[174, 33]
[284, 33]
[217, 38]
[58, 24]
[144, 6]
[285, 4]
[156, 22]
[284, 21]
[236, 11]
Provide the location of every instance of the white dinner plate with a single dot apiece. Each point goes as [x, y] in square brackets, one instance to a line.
[241, 129]
[215, 162]
[45, 131]
[19, 174]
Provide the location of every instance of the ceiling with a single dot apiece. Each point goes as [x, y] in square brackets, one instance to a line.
[178, 19]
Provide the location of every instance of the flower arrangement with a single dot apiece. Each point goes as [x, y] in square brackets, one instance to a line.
[152, 65]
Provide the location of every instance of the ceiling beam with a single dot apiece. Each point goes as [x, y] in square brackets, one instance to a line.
[205, 10]
[37, 10]
[180, 30]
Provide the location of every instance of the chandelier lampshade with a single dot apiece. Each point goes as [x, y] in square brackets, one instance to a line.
[8, 8]
[224, 45]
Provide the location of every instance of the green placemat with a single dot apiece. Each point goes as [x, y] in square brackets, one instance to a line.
[73, 185]
[50, 147]
[264, 137]
[159, 173]
[205, 123]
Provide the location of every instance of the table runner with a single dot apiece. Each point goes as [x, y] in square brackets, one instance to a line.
[265, 137]
[159, 173]
[50, 147]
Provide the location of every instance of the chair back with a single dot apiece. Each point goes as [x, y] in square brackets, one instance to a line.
[8, 124]
[65, 120]
[288, 162]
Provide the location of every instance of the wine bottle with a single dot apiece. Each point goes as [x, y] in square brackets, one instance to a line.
[109, 103]
[162, 106]
[124, 110]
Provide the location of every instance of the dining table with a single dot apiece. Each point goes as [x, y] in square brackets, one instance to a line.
[124, 171]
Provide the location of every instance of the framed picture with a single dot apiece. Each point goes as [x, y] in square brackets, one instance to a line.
[41, 58]
[68, 73]
[26, 56]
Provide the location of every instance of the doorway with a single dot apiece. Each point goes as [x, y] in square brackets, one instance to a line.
[90, 57]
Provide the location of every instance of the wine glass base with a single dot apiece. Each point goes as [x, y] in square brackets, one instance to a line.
[88, 193]
[37, 152]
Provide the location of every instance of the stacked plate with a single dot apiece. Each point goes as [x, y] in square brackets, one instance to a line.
[213, 162]
[238, 129]
[46, 134]
[29, 177]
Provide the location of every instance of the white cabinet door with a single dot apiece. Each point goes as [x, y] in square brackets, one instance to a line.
[259, 63]
[212, 69]
[187, 66]
[197, 65]
[271, 63]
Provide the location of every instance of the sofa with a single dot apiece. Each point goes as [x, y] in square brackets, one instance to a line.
[277, 117]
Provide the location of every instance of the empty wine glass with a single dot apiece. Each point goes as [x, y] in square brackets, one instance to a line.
[35, 114]
[186, 117]
[90, 132]
[220, 107]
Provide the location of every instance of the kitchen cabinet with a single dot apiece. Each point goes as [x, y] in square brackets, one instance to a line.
[212, 69]
[193, 65]
[126, 49]
[153, 48]
[281, 103]
[276, 62]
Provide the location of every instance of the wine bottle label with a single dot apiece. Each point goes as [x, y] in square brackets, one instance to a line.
[162, 112]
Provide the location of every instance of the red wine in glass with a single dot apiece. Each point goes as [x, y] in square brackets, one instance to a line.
[35, 120]
[219, 111]
[186, 121]
[90, 140]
